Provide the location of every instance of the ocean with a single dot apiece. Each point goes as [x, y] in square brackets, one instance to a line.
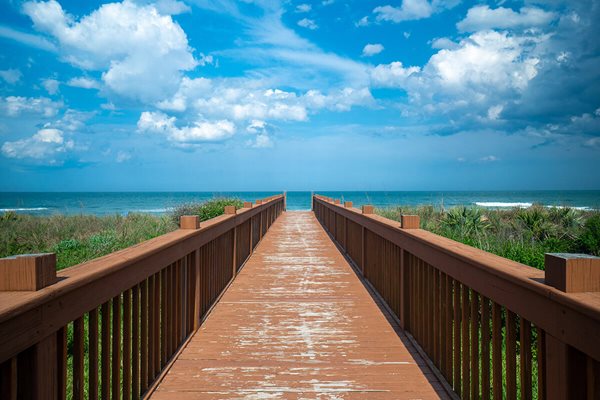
[106, 203]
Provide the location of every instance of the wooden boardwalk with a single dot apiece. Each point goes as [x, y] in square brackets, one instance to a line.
[298, 323]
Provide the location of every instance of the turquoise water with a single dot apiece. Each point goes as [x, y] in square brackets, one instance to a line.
[103, 203]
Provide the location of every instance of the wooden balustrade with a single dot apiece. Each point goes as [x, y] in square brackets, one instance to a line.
[107, 328]
[491, 327]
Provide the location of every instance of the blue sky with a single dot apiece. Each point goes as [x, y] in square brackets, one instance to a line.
[296, 95]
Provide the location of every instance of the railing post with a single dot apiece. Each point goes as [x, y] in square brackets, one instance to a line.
[28, 272]
[230, 210]
[37, 367]
[189, 222]
[367, 209]
[248, 204]
[193, 222]
[347, 204]
[407, 222]
[410, 221]
[284, 201]
[404, 292]
[197, 294]
[570, 373]
[37, 370]
[572, 273]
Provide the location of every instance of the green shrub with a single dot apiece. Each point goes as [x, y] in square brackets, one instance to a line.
[77, 238]
[205, 210]
[522, 235]
[589, 241]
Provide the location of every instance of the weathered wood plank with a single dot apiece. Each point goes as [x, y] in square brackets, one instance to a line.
[298, 323]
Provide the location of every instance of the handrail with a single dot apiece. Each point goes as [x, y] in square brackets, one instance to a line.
[170, 265]
[432, 262]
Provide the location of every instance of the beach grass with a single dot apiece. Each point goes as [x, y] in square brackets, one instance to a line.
[79, 238]
[520, 234]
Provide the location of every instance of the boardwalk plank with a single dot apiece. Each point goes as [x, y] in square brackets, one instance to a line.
[297, 322]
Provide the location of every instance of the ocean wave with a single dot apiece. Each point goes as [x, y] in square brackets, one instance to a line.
[23, 209]
[499, 204]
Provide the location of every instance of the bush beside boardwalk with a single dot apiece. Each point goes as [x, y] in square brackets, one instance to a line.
[79, 238]
[522, 235]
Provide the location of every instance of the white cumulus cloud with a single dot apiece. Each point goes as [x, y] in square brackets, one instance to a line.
[411, 10]
[308, 24]
[483, 17]
[486, 59]
[11, 76]
[14, 106]
[443, 43]
[364, 21]
[84, 83]
[140, 52]
[372, 49]
[200, 131]
[51, 85]
[262, 138]
[471, 78]
[169, 7]
[303, 8]
[245, 100]
[392, 75]
[44, 145]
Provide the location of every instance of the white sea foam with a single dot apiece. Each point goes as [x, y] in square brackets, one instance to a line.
[24, 209]
[499, 204]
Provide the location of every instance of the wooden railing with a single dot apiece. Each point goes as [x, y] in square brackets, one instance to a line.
[490, 327]
[107, 328]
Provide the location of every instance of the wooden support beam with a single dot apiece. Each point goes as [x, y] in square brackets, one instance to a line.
[37, 370]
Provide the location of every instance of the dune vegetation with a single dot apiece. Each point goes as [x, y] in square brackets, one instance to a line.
[79, 238]
[522, 235]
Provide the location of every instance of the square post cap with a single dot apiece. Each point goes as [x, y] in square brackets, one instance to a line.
[348, 204]
[410, 221]
[229, 210]
[27, 272]
[572, 273]
[368, 209]
[189, 222]
[247, 204]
